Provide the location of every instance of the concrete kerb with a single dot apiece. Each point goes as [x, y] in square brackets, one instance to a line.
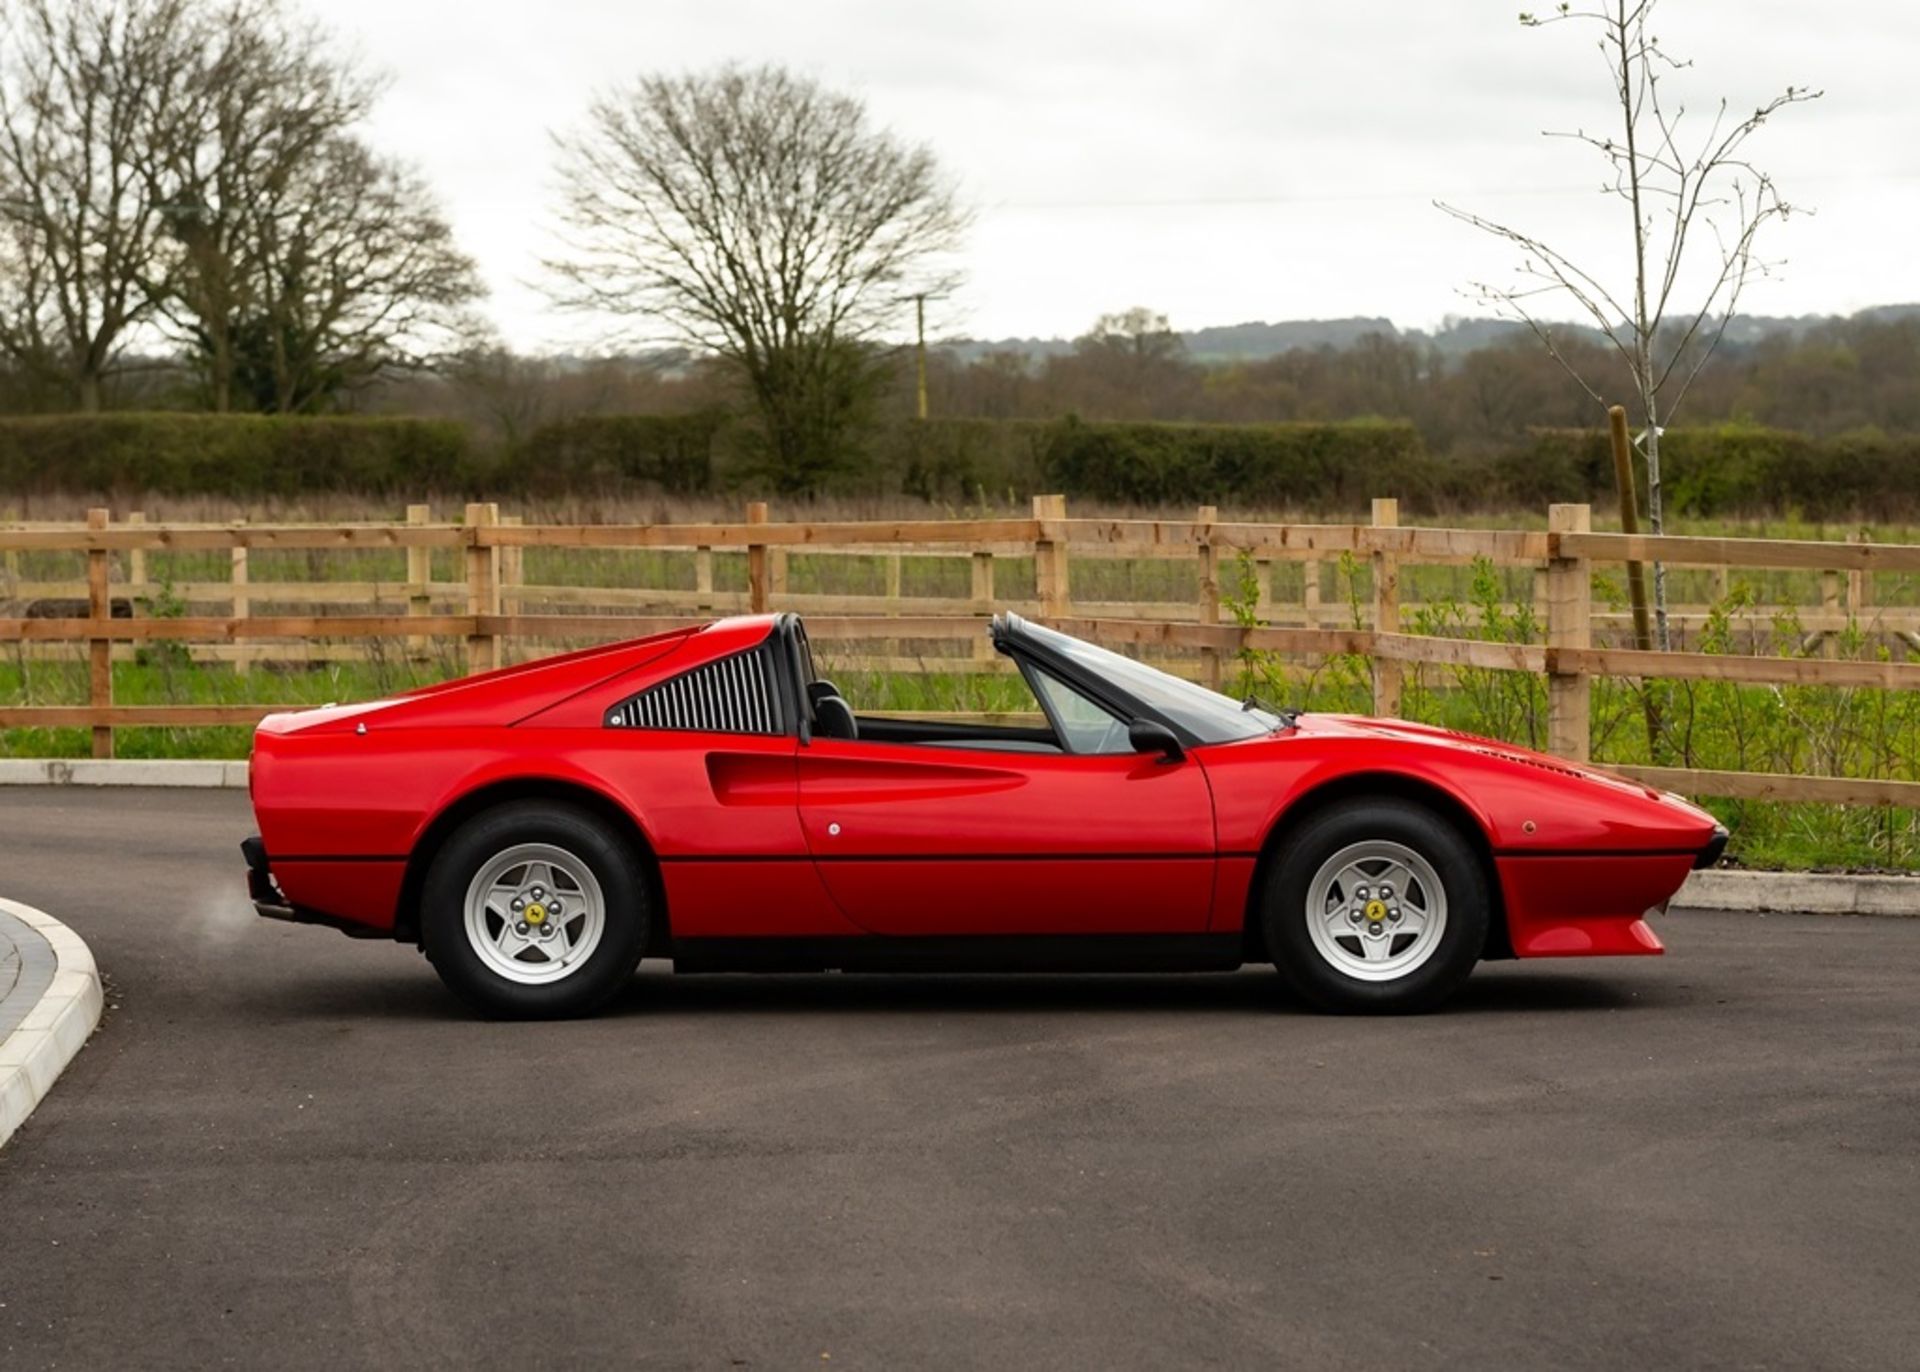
[1800, 893]
[191, 772]
[55, 1027]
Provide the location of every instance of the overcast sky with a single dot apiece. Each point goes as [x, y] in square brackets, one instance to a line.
[1219, 160]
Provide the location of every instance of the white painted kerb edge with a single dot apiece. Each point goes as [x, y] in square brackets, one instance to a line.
[55, 1029]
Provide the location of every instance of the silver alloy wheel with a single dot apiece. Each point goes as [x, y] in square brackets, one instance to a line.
[1376, 910]
[534, 913]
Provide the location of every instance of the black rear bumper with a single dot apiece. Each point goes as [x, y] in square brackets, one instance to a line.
[265, 895]
[269, 902]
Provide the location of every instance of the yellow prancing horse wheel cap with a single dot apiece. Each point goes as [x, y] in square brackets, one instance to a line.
[535, 914]
[1376, 910]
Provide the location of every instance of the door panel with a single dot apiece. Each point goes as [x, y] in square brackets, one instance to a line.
[719, 812]
[916, 839]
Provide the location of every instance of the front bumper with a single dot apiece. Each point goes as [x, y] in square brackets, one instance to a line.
[1715, 846]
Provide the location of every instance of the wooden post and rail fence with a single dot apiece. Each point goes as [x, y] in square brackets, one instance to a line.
[491, 605]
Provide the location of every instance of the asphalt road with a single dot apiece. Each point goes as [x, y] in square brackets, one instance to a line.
[287, 1148]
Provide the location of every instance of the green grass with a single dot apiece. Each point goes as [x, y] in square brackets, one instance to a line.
[1706, 725]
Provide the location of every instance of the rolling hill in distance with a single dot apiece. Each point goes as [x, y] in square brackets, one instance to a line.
[1252, 341]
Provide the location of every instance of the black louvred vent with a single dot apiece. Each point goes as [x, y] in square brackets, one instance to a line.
[736, 695]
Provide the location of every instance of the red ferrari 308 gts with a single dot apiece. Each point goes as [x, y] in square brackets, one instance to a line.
[703, 795]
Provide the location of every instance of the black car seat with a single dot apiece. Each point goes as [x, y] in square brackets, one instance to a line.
[819, 689]
[833, 718]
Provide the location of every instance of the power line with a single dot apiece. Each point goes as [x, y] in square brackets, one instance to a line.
[1362, 197]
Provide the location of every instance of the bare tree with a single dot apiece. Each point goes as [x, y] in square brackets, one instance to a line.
[758, 216]
[1129, 365]
[85, 88]
[1680, 181]
[357, 274]
[1138, 333]
[29, 327]
[266, 96]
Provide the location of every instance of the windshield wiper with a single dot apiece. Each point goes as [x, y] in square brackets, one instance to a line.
[1285, 717]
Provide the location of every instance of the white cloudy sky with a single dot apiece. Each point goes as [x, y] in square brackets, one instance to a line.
[1220, 160]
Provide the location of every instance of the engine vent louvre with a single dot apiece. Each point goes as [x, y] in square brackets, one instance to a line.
[736, 695]
[1521, 758]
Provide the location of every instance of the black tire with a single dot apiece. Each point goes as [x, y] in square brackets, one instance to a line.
[1312, 973]
[607, 855]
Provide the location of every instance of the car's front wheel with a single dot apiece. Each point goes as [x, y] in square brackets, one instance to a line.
[1376, 904]
[535, 910]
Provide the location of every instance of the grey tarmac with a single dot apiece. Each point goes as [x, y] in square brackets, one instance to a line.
[285, 1148]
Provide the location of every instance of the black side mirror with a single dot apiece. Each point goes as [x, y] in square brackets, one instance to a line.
[1151, 736]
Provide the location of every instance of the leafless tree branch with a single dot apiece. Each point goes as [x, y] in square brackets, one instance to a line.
[1673, 187]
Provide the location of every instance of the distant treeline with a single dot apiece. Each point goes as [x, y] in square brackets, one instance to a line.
[1720, 469]
[1825, 378]
[1712, 470]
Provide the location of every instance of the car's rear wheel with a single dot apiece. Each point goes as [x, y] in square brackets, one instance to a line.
[1376, 904]
[535, 910]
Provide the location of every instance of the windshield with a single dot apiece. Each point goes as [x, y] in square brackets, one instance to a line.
[1207, 715]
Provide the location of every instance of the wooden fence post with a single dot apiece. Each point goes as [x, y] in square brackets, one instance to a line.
[242, 602]
[1209, 589]
[703, 578]
[419, 580]
[483, 589]
[137, 561]
[1830, 604]
[1310, 592]
[99, 647]
[1050, 559]
[1386, 611]
[982, 595]
[776, 575]
[1859, 583]
[1569, 625]
[757, 561]
[893, 583]
[511, 567]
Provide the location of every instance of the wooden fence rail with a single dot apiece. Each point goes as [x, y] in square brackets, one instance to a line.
[488, 604]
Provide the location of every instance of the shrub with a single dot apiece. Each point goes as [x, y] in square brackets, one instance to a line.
[240, 455]
[1253, 464]
[1724, 469]
[673, 452]
[961, 458]
[1720, 469]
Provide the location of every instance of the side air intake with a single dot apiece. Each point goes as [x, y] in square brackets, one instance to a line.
[736, 695]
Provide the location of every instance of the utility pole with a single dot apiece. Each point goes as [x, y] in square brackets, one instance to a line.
[920, 331]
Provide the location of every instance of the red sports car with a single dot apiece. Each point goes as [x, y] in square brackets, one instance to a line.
[704, 795]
